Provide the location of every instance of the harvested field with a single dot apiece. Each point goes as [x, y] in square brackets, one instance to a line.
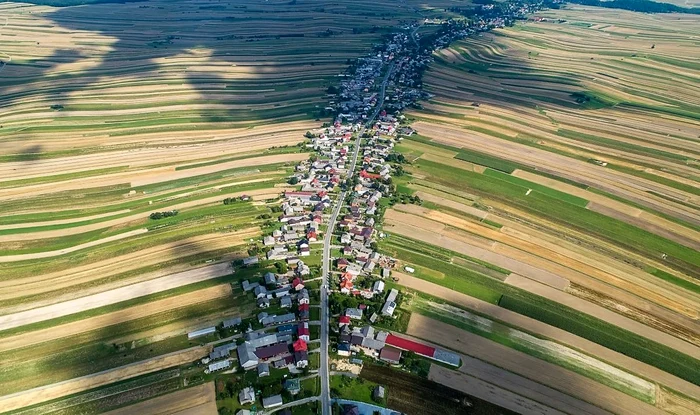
[133, 313]
[519, 363]
[114, 296]
[550, 332]
[57, 390]
[197, 400]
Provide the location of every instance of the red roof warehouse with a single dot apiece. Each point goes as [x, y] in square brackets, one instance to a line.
[406, 344]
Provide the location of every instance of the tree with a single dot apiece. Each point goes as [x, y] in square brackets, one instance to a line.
[281, 267]
[309, 134]
[293, 180]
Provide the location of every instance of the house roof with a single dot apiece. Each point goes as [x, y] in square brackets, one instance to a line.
[267, 352]
[344, 319]
[300, 345]
[390, 354]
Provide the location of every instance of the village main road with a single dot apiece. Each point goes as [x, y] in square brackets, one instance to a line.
[323, 370]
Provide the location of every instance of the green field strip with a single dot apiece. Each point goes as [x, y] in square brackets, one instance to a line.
[621, 145]
[608, 335]
[548, 191]
[219, 211]
[549, 312]
[486, 161]
[680, 282]
[61, 177]
[122, 247]
[501, 333]
[141, 205]
[546, 205]
[110, 396]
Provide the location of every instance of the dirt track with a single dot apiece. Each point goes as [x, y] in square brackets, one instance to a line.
[68, 387]
[529, 367]
[114, 296]
[198, 400]
[104, 320]
[550, 332]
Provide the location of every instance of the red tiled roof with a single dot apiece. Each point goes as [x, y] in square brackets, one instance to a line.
[299, 345]
[405, 344]
[344, 319]
[303, 307]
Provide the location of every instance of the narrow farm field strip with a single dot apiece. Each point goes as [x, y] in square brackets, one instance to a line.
[63, 221]
[509, 390]
[571, 264]
[605, 179]
[625, 212]
[49, 254]
[197, 400]
[118, 265]
[148, 177]
[114, 296]
[494, 392]
[29, 234]
[533, 326]
[603, 314]
[104, 320]
[519, 363]
[425, 230]
[68, 387]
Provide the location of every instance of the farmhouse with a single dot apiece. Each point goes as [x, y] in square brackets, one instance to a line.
[390, 305]
[250, 261]
[269, 352]
[354, 313]
[246, 395]
[246, 356]
[272, 401]
[390, 355]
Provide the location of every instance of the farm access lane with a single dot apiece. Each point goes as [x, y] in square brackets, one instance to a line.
[323, 371]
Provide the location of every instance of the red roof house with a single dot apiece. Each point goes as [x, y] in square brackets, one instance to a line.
[299, 345]
[343, 320]
[303, 307]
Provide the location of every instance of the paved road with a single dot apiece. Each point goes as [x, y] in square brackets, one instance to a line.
[325, 378]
